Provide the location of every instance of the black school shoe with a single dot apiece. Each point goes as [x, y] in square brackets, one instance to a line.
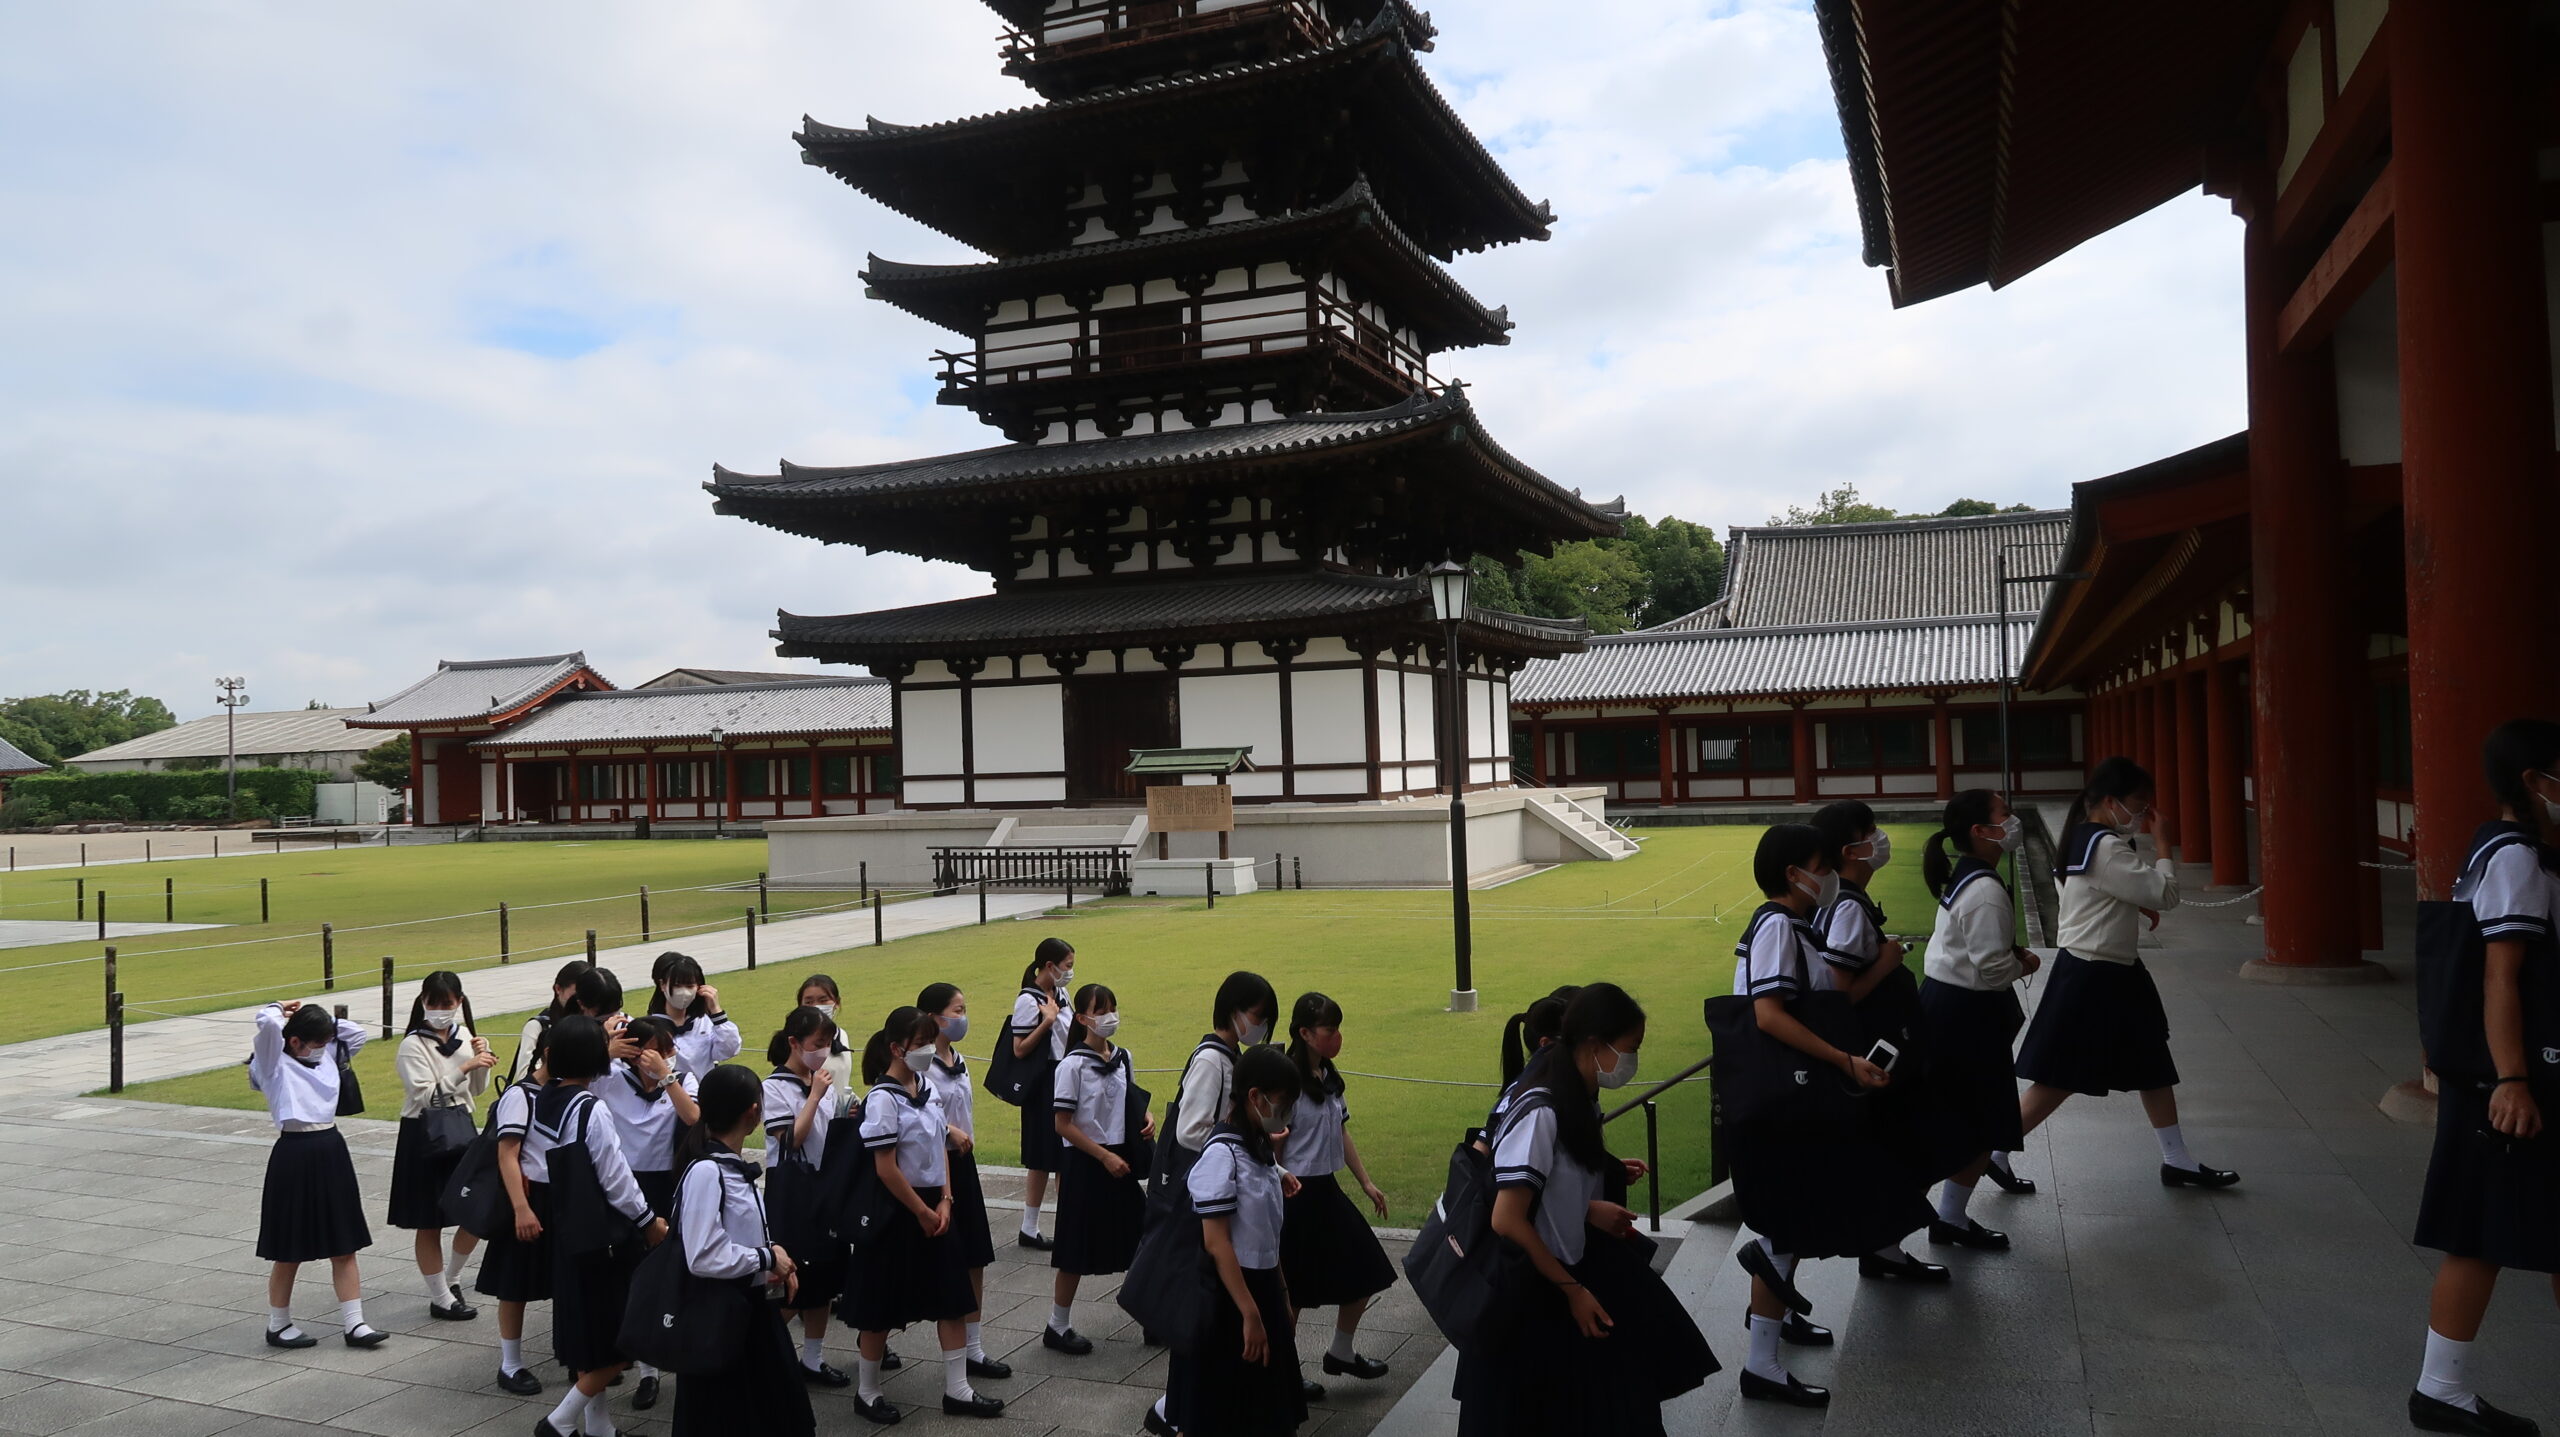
[645, 1396]
[890, 1361]
[2196, 1177]
[2010, 1182]
[972, 1406]
[1033, 1241]
[1973, 1235]
[990, 1368]
[1796, 1331]
[371, 1337]
[883, 1412]
[823, 1376]
[1755, 1260]
[458, 1311]
[1909, 1269]
[2429, 1415]
[1791, 1392]
[1311, 1391]
[521, 1382]
[1070, 1342]
[1157, 1425]
[298, 1340]
[1367, 1369]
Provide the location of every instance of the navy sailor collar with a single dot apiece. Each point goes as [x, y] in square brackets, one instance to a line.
[1968, 869]
[2080, 846]
[916, 1099]
[1770, 911]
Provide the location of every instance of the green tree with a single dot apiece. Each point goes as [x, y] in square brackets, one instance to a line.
[1839, 506]
[386, 763]
[1683, 565]
[1494, 587]
[54, 727]
[1973, 509]
[1598, 581]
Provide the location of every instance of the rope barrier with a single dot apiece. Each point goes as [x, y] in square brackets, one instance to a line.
[2222, 902]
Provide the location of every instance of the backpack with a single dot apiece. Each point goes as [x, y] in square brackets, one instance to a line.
[689, 1325]
[2452, 972]
[1170, 1286]
[1010, 1076]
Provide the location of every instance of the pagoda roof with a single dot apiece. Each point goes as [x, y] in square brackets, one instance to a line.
[1023, 14]
[959, 296]
[917, 506]
[968, 178]
[1145, 614]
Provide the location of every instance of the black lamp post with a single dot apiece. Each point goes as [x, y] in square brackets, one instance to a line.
[1448, 582]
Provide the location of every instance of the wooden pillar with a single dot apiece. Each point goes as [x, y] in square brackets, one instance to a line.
[1538, 747]
[2363, 782]
[2195, 830]
[2229, 817]
[1942, 728]
[2138, 701]
[1369, 717]
[649, 783]
[2303, 660]
[2475, 402]
[1804, 755]
[729, 782]
[1664, 767]
[417, 779]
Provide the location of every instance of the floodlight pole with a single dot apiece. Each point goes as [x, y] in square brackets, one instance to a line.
[231, 698]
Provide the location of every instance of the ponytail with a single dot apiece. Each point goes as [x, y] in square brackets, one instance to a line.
[1954, 837]
[801, 1023]
[903, 1025]
[1531, 1029]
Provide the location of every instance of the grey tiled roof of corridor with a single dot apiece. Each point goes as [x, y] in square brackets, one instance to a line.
[1912, 654]
[794, 706]
[1795, 574]
[472, 689]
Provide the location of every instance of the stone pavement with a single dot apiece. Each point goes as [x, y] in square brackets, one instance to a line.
[134, 1307]
[2293, 1303]
[169, 1047]
[37, 932]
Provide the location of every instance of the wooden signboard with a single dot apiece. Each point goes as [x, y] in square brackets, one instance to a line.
[1191, 808]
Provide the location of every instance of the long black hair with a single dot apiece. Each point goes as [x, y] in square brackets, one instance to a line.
[2114, 778]
[1243, 992]
[599, 993]
[442, 986]
[1841, 822]
[2513, 748]
[1954, 839]
[903, 1025]
[1265, 1070]
[1784, 846]
[568, 976]
[1051, 950]
[673, 969]
[1087, 998]
[1603, 1011]
[801, 1022]
[1314, 1010]
[1531, 1029]
[727, 1092]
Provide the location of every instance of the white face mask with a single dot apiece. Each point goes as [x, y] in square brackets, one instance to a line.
[1824, 891]
[1623, 1073]
[1066, 977]
[2126, 822]
[1275, 1124]
[918, 1060]
[443, 1019]
[827, 1008]
[2550, 805]
[2013, 834]
[1253, 1034]
[1104, 1024]
[1880, 849]
[956, 1027]
[680, 1000]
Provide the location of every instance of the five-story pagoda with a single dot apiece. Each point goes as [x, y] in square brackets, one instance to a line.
[1206, 331]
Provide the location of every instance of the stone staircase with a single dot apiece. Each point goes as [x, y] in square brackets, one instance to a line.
[1582, 826]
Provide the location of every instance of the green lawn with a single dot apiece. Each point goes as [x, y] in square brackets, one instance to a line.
[1663, 924]
[439, 901]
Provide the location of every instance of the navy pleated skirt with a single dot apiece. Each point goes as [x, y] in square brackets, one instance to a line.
[2099, 1030]
[1972, 1092]
[311, 1209]
[2489, 1197]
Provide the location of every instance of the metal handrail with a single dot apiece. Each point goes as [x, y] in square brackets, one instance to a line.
[1019, 44]
[1653, 1131]
[1328, 322]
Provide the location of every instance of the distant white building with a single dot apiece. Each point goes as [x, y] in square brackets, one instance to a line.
[315, 739]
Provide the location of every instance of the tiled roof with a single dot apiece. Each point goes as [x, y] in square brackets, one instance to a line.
[1900, 655]
[476, 689]
[1138, 614]
[695, 678]
[1800, 574]
[15, 760]
[290, 731]
[802, 706]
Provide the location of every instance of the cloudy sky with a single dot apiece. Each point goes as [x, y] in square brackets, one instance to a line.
[346, 338]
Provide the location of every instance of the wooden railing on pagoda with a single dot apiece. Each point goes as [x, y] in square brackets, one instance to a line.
[1324, 322]
[1101, 25]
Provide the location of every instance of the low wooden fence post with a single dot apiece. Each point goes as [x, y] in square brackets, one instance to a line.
[876, 939]
[262, 900]
[591, 946]
[115, 1042]
[505, 939]
[328, 959]
[168, 900]
[386, 997]
[111, 980]
[644, 912]
[751, 940]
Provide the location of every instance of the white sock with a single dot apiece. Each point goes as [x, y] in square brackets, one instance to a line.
[1892, 1252]
[280, 1322]
[641, 1370]
[813, 1352]
[1785, 1262]
[2444, 1377]
[1031, 1219]
[1952, 1198]
[866, 1379]
[598, 1421]
[1763, 1361]
[2001, 1161]
[1062, 1319]
[438, 1293]
[977, 1341]
[452, 1275]
[511, 1355]
[1159, 1409]
[351, 1314]
[955, 1373]
[2173, 1147]
[1341, 1349]
[573, 1407]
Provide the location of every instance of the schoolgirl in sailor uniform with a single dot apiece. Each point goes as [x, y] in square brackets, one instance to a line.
[571, 1143]
[515, 1265]
[1868, 966]
[1102, 1199]
[720, 1220]
[2100, 1027]
[1039, 1029]
[1596, 1343]
[801, 1104]
[948, 1007]
[908, 1269]
[1524, 1036]
[2492, 1198]
[310, 1208]
[1328, 1253]
[1244, 1381]
[651, 1104]
[1808, 1190]
[820, 992]
[443, 1062]
[705, 1038]
[526, 1065]
[1969, 1009]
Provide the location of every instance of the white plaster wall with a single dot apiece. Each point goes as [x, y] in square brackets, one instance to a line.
[1419, 710]
[1327, 716]
[2365, 355]
[2306, 99]
[929, 734]
[1021, 729]
[1022, 790]
[1230, 710]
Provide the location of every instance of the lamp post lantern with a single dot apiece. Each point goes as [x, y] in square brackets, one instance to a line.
[231, 698]
[1448, 581]
[719, 782]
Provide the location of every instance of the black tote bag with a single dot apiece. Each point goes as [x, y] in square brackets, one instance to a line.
[688, 1325]
[1459, 1269]
[1759, 1079]
[447, 1127]
[350, 1092]
[475, 1196]
[583, 1220]
[1168, 1286]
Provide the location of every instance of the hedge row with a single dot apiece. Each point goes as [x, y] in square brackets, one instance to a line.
[278, 792]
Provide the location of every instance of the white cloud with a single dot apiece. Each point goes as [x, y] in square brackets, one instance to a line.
[258, 413]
